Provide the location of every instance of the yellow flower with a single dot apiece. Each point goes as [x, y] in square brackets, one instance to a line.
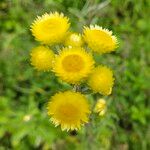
[100, 107]
[70, 110]
[101, 80]
[42, 58]
[73, 64]
[100, 40]
[50, 28]
[73, 39]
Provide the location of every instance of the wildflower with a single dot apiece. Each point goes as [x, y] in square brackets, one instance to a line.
[100, 107]
[73, 39]
[100, 40]
[101, 80]
[70, 110]
[42, 58]
[27, 118]
[50, 28]
[73, 64]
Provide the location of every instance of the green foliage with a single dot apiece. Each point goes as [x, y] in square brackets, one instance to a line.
[24, 92]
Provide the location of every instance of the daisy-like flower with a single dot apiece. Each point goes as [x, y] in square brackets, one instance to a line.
[99, 40]
[70, 110]
[101, 80]
[73, 39]
[42, 58]
[73, 64]
[100, 107]
[50, 28]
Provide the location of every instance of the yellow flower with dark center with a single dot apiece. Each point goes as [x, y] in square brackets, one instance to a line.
[100, 107]
[100, 40]
[42, 58]
[73, 39]
[101, 80]
[70, 110]
[50, 28]
[73, 64]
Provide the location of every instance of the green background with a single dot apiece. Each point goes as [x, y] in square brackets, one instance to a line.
[24, 92]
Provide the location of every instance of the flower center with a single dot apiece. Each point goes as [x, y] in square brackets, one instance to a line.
[68, 112]
[73, 63]
[50, 25]
[101, 35]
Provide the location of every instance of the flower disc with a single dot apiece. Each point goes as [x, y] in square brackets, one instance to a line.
[70, 110]
[42, 58]
[100, 40]
[50, 28]
[73, 64]
[101, 80]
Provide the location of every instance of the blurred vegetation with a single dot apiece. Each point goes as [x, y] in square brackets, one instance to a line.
[24, 92]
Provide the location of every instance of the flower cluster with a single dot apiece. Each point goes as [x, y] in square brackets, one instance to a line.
[73, 64]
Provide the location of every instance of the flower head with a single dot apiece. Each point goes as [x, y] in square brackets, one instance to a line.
[73, 64]
[101, 80]
[50, 28]
[42, 58]
[100, 107]
[27, 118]
[73, 39]
[70, 110]
[100, 40]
